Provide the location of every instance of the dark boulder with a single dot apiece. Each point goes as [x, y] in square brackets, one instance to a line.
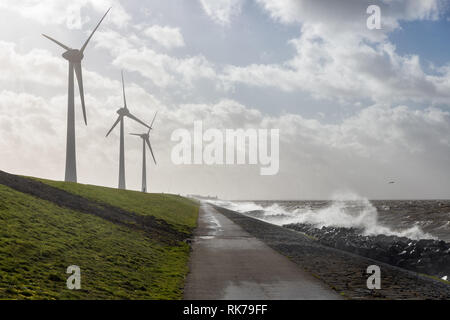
[425, 256]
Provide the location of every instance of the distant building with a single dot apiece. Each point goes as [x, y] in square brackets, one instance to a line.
[200, 197]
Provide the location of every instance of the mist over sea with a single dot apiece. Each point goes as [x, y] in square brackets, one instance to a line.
[414, 219]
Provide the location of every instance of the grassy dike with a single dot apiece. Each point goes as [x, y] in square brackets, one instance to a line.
[40, 239]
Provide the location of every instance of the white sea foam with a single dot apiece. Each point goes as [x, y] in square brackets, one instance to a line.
[347, 210]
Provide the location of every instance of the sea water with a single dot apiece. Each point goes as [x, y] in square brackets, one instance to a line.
[415, 219]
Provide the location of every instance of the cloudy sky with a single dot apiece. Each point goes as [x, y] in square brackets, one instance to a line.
[356, 108]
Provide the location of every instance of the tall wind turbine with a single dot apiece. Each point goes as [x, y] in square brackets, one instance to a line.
[123, 112]
[145, 140]
[74, 56]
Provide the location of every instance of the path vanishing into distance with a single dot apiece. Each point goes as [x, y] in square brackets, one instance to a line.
[228, 263]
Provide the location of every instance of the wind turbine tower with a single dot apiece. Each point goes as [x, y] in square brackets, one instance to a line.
[123, 112]
[145, 141]
[74, 56]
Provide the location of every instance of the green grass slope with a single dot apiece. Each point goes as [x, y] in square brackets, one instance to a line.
[175, 210]
[39, 240]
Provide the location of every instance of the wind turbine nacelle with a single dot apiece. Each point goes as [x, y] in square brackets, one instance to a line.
[122, 112]
[73, 55]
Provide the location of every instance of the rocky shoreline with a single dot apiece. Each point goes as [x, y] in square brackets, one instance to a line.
[343, 271]
[425, 256]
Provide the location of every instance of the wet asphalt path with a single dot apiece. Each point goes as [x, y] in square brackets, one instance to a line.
[227, 263]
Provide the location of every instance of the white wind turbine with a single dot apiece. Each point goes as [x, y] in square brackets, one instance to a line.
[74, 56]
[145, 140]
[123, 112]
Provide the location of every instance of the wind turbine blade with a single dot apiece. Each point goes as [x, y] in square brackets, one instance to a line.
[151, 125]
[135, 134]
[151, 150]
[114, 125]
[87, 41]
[137, 120]
[79, 74]
[123, 90]
[57, 42]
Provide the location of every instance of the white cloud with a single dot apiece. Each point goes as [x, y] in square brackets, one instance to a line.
[162, 69]
[166, 36]
[344, 13]
[38, 71]
[67, 12]
[28, 133]
[37, 66]
[222, 11]
[338, 57]
[352, 72]
[361, 153]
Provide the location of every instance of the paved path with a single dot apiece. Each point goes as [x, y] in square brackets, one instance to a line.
[228, 263]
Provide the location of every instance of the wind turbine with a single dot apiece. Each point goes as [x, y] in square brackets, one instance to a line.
[74, 56]
[145, 140]
[123, 112]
